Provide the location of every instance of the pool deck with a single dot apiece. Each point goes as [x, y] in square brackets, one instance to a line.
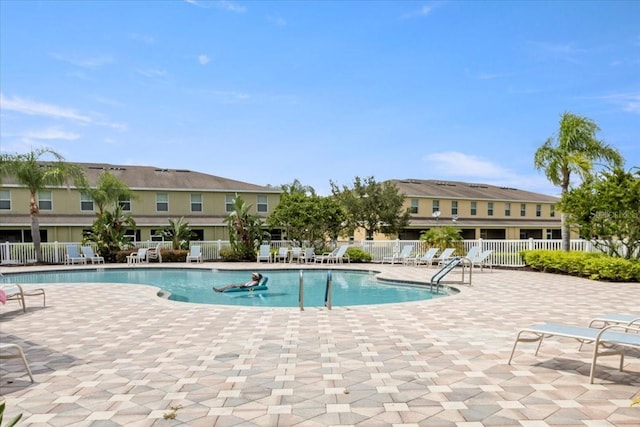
[106, 355]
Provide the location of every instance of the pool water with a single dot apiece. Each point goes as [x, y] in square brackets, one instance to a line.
[195, 285]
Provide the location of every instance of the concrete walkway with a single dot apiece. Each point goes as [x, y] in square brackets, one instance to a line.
[106, 355]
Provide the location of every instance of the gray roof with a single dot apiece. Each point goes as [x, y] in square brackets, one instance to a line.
[155, 178]
[435, 189]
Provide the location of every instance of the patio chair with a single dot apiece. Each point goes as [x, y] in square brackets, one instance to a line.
[327, 256]
[137, 257]
[6, 352]
[73, 256]
[155, 253]
[88, 253]
[400, 257]
[341, 255]
[194, 254]
[308, 255]
[473, 252]
[608, 341]
[445, 256]
[282, 255]
[427, 258]
[482, 260]
[18, 293]
[613, 319]
[264, 254]
[296, 254]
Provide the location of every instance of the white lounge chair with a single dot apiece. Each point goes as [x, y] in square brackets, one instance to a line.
[282, 255]
[482, 260]
[296, 254]
[427, 258]
[18, 293]
[473, 253]
[88, 253]
[195, 254]
[6, 352]
[264, 254]
[73, 256]
[445, 256]
[137, 257]
[154, 253]
[613, 319]
[308, 255]
[401, 256]
[619, 336]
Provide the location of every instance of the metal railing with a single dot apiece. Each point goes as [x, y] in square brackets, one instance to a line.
[505, 252]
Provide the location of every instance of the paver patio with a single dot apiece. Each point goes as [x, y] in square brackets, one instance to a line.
[106, 355]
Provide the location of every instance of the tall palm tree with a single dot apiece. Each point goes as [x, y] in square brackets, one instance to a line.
[575, 150]
[245, 230]
[37, 174]
[108, 190]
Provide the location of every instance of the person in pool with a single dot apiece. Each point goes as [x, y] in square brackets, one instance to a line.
[255, 281]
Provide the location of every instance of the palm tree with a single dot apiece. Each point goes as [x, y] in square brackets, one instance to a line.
[108, 190]
[37, 174]
[245, 230]
[109, 232]
[575, 150]
[179, 233]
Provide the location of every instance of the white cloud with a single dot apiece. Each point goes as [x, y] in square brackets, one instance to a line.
[464, 167]
[84, 62]
[51, 134]
[33, 108]
[152, 73]
[144, 38]
[630, 102]
[227, 5]
[422, 11]
[276, 20]
[203, 59]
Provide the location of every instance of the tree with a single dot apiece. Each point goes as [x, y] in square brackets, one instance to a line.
[605, 209]
[575, 150]
[109, 232]
[374, 207]
[37, 174]
[442, 237]
[179, 233]
[245, 230]
[108, 190]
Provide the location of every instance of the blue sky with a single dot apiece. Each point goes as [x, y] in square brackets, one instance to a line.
[268, 92]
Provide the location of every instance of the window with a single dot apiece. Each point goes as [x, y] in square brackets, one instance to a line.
[414, 206]
[196, 203]
[538, 210]
[228, 203]
[474, 208]
[490, 209]
[261, 204]
[435, 206]
[552, 211]
[125, 203]
[86, 202]
[507, 209]
[5, 200]
[45, 200]
[162, 202]
[454, 208]
[523, 209]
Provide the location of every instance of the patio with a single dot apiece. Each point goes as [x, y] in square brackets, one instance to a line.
[107, 355]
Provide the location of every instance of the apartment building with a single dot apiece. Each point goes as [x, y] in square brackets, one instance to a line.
[159, 195]
[478, 210]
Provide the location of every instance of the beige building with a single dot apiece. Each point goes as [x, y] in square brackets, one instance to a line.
[478, 210]
[159, 195]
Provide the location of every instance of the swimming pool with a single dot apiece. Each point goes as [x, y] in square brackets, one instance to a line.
[194, 285]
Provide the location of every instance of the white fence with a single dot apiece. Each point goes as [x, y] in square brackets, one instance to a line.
[505, 252]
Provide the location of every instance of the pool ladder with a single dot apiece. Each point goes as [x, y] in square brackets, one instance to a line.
[328, 292]
[448, 267]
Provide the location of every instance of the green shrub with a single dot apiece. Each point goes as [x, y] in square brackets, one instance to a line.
[593, 265]
[229, 255]
[358, 255]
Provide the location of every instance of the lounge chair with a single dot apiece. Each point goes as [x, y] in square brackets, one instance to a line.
[473, 253]
[264, 254]
[427, 258]
[445, 256]
[73, 256]
[88, 253]
[308, 255]
[327, 256]
[482, 260]
[18, 293]
[614, 319]
[7, 353]
[137, 257]
[400, 256]
[339, 254]
[154, 253]
[282, 255]
[194, 254]
[603, 338]
[296, 254]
